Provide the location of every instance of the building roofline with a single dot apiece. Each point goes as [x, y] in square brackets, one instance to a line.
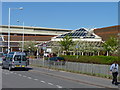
[107, 27]
[35, 28]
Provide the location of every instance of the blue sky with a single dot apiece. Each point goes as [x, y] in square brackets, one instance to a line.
[64, 15]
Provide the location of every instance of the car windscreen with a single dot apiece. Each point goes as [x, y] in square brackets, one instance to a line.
[20, 58]
[53, 59]
[1, 54]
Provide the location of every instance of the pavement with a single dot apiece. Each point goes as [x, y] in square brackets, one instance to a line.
[81, 78]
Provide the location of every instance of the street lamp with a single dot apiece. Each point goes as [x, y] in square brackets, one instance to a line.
[22, 37]
[21, 8]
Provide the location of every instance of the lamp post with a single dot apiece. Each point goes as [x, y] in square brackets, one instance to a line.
[21, 8]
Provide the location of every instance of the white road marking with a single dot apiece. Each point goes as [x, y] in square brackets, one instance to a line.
[36, 79]
[24, 76]
[19, 74]
[50, 83]
[29, 77]
[42, 81]
[59, 86]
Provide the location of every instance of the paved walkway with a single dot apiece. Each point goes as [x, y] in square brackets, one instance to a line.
[91, 80]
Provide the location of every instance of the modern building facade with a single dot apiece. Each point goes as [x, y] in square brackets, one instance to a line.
[37, 34]
[42, 35]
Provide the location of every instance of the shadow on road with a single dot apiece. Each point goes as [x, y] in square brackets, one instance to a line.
[118, 83]
[22, 69]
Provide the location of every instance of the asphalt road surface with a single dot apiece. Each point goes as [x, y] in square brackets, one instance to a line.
[35, 79]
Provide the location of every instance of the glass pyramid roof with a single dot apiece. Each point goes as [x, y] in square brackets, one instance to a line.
[80, 33]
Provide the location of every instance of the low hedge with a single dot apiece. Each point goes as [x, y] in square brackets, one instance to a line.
[92, 59]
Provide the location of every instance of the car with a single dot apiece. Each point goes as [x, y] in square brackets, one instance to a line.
[57, 60]
[46, 54]
[15, 60]
[61, 59]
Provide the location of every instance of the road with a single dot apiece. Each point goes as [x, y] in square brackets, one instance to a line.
[33, 78]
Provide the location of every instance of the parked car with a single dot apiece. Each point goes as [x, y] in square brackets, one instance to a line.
[57, 60]
[15, 60]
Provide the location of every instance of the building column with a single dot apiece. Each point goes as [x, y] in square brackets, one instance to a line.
[98, 53]
[82, 53]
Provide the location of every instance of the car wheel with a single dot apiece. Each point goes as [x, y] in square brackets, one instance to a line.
[10, 68]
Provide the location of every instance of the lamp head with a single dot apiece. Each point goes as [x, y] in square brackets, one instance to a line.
[18, 21]
[21, 8]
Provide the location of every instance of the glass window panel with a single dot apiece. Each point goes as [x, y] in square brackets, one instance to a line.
[73, 34]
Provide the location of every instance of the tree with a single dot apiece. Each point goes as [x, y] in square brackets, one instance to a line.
[111, 45]
[57, 50]
[30, 46]
[66, 43]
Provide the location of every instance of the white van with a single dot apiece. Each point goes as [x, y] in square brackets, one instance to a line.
[15, 60]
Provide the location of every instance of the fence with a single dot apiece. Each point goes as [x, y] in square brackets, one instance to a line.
[92, 69]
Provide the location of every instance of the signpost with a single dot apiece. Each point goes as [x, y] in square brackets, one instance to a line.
[44, 48]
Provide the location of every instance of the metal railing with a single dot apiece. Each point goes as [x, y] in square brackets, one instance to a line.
[92, 69]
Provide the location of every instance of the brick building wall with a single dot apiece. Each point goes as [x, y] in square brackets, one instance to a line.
[107, 32]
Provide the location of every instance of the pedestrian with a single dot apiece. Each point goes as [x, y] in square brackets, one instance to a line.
[114, 70]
